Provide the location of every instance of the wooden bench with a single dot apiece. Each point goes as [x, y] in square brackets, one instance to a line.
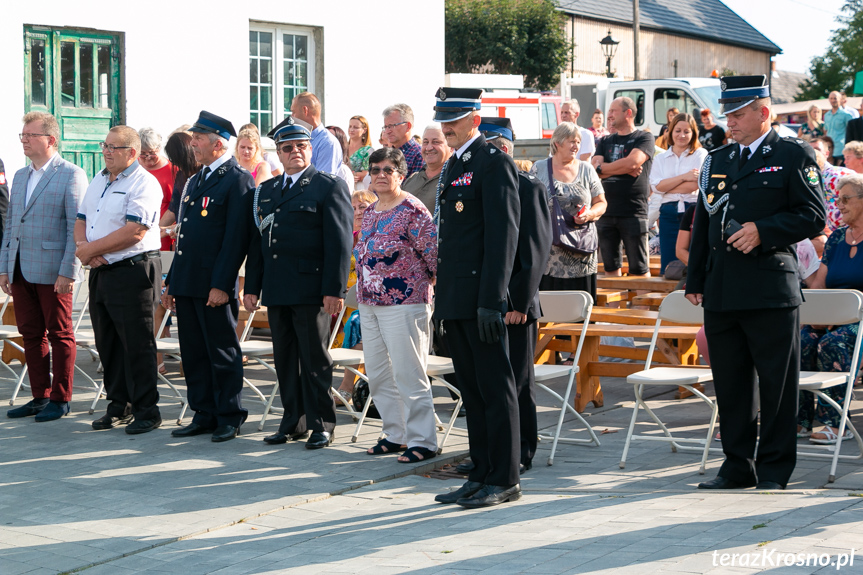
[607, 296]
[651, 300]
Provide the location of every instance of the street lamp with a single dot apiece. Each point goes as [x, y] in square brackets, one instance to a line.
[609, 47]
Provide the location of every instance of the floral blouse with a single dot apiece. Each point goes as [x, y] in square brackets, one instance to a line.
[831, 175]
[360, 159]
[396, 255]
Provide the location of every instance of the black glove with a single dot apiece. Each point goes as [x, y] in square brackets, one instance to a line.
[490, 322]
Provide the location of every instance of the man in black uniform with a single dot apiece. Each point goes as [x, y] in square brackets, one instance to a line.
[758, 197]
[300, 259]
[213, 234]
[478, 220]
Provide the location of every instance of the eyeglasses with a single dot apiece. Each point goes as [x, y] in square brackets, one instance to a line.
[842, 200]
[25, 136]
[288, 148]
[149, 154]
[377, 170]
[111, 147]
[392, 126]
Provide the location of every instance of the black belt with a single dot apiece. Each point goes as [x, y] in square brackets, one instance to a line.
[130, 261]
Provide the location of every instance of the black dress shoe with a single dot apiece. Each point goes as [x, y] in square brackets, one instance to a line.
[522, 467]
[319, 439]
[32, 407]
[108, 421]
[721, 483]
[191, 430]
[466, 490]
[279, 438]
[225, 433]
[143, 425]
[769, 486]
[491, 495]
[465, 467]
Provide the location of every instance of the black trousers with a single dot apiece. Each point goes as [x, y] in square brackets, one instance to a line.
[122, 301]
[304, 366]
[212, 361]
[522, 345]
[744, 344]
[487, 385]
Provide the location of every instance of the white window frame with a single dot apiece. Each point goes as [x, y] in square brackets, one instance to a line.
[279, 106]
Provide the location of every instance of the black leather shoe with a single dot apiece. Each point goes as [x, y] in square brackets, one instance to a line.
[522, 467]
[721, 483]
[54, 410]
[279, 438]
[465, 467]
[491, 495]
[32, 407]
[319, 439]
[109, 421]
[769, 486]
[466, 490]
[225, 433]
[191, 430]
[143, 425]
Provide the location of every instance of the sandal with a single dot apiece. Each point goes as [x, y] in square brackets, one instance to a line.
[343, 396]
[829, 436]
[416, 454]
[384, 447]
[802, 432]
[162, 369]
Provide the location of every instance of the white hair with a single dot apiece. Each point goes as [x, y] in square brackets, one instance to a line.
[405, 112]
[217, 137]
[150, 139]
[574, 105]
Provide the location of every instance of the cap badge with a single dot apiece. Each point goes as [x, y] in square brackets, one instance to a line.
[441, 94]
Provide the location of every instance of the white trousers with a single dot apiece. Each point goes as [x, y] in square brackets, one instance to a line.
[395, 345]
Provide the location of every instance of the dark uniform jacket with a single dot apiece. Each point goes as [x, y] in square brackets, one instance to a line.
[308, 255]
[534, 246]
[479, 216]
[780, 190]
[210, 248]
[853, 131]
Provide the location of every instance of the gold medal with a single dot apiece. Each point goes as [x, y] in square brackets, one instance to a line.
[186, 199]
[459, 206]
[721, 185]
[204, 213]
[709, 198]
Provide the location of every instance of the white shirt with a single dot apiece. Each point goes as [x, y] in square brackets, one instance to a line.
[667, 165]
[466, 145]
[33, 178]
[854, 113]
[753, 147]
[135, 196]
[293, 177]
[587, 146]
[216, 163]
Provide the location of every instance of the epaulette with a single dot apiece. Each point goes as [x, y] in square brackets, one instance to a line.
[795, 140]
[714, 150]
[328, 175]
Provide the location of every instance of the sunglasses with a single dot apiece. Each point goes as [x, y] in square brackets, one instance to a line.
[375, 170]
[288, 148]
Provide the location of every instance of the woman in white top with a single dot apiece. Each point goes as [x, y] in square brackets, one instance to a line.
[674, 175]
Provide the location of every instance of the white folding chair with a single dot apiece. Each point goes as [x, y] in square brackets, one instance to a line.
[7, 335]
[564, 307]
[675, 308]
[833, 307]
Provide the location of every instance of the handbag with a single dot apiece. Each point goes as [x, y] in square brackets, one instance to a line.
[675, 270]
[566, 234]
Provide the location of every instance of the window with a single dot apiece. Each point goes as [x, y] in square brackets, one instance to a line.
[281, 65]
[666, 98]
[549, 116]
[637, 96]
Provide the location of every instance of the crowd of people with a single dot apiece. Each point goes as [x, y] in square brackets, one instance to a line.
[447, 244]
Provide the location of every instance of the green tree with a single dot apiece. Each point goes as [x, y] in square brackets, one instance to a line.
[835, 70]
[507, 37]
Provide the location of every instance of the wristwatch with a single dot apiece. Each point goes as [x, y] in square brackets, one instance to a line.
[599, 169]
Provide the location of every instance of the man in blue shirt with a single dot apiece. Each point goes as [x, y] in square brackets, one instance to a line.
[836, 121]
[398, 122]
[326, 150]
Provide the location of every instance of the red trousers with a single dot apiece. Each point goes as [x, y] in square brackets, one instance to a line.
[45, 316]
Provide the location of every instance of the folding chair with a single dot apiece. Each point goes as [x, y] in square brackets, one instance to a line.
[675, 308]
[564, 307]
[7, 334]
[833, 307]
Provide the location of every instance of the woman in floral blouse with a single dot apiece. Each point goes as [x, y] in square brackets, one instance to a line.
[396, 257]
[359, 149]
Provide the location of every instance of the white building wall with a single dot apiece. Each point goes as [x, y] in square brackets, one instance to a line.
[179, 59]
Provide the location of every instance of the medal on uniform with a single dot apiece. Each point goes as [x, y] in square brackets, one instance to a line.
[721, 185]
[204, 203]
[459, 206]
[186, 200]
[710, 198]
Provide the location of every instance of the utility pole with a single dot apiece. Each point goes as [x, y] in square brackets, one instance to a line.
[635, 34]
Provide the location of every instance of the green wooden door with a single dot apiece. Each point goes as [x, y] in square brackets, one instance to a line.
[75, 76]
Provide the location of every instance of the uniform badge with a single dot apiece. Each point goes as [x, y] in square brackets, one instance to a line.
[812, 175]
[731, 155]
[459, 206]
[186, 200]
[465, 157]
[709, 198]
[463, 180]
[768, 169]
[204, 203]
[305, 182]
[721, 185]
[766, 149]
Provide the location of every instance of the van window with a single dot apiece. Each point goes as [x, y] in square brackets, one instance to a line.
[549, 117]
[666, 98]
[637, 96]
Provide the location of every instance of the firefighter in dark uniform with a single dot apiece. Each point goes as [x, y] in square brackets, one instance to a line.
[523, 311]
[213, 235]
[478, 216]
[757, 198]
[300, 258]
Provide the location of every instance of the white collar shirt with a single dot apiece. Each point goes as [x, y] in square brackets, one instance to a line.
[668, 165]
[753, 147]
[34, 176]
[134, 196]
[466, 145]
[293, 177]
[217, 163]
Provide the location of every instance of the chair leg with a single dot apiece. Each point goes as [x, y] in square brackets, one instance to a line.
[19, 384]
[709, 440]
[560, 417]
[638, 400]
[453, 417]
[269, 406]
[96, 399]
[361, 420]
[661, 425]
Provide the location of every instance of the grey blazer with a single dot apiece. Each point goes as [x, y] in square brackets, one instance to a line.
[39, 235]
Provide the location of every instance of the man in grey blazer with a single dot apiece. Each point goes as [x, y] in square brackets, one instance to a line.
[38, 265]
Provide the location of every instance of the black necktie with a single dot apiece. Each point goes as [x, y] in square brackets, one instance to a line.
[744, 155]
[203, 177]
